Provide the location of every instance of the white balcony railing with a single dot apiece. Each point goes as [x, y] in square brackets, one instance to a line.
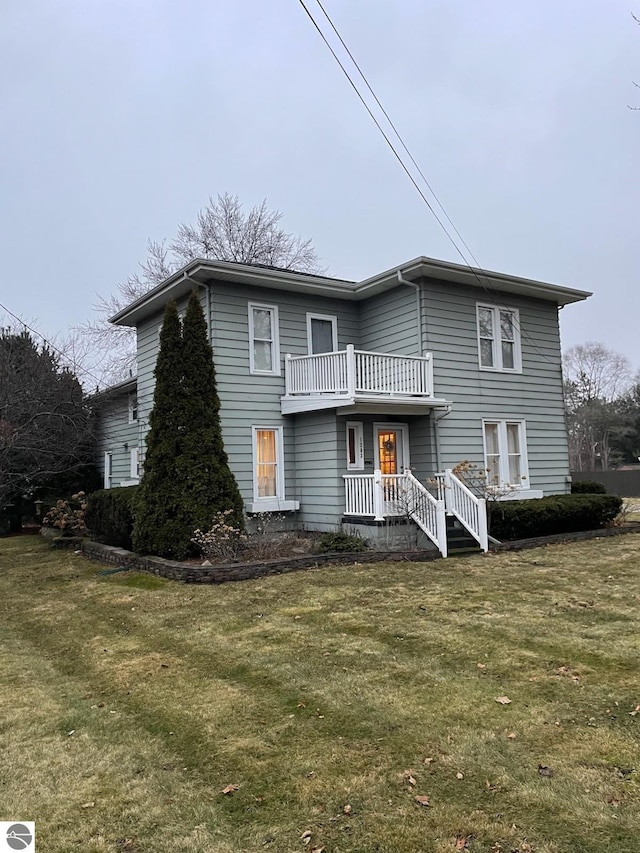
[353, 373]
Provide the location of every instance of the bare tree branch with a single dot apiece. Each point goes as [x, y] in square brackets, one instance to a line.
[222, 231]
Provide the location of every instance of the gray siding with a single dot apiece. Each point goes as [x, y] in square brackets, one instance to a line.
[389, 322]
[534, 395]
[114, 432]
[319, 465]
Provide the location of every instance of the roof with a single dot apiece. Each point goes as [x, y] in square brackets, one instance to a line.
[123, 387]
[200, 271]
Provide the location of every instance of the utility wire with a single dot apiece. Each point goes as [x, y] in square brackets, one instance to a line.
[76, 367]
[477, 271]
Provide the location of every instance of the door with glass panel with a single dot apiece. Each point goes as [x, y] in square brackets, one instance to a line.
[390, 453]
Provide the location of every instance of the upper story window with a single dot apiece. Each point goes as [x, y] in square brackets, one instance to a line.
[499, 338]
[264, 348]
[322, 333]
[133, 407]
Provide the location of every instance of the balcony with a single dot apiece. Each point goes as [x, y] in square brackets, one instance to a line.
[360, 380]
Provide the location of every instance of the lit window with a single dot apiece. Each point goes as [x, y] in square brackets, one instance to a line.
[499, 338]
[505, 454]
[355, 446]
[267, 454]
[264, 354]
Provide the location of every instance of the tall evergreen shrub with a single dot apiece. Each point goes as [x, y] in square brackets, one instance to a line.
[187, 478]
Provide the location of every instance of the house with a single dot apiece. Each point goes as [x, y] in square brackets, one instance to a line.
[347, 401]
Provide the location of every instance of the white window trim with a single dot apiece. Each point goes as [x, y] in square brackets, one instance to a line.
[131, 408]
[108, 469]
[523, 485]
[134, 466]
[358, 428]
[497, 339]
[331, 318]
[403, 429]
[277, 502]
[275, 342]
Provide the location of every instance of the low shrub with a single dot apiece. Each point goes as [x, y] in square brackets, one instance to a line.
[68, 516]
[552, 514]
[588, 487]
[109, 516]
[339, 543]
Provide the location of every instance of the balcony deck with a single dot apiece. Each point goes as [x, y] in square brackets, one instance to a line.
[360, 379]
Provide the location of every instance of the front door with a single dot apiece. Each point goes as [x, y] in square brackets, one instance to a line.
[391, 458]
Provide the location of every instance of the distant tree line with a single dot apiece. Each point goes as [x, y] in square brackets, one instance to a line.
[602, 402]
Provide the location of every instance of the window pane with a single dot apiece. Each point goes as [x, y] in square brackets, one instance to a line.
[491, 439]
[486, 353]
[266, 445]
[485, 322]
[321, 336]
[262, 324]
[262, 355]
[493, 470]
[506, 326]
[513, 438]
[515, 470]
[508, 360]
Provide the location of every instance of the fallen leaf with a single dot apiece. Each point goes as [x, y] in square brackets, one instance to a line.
[512, 735]
[503, 700]
[459, 775]
[318, 850]
[346, 809]
[408, 777]
[544, 770]
[230, 789]
[462, 842]
[428, 761]
[635, 711]
[306, 836]
[422, 800]
[87, 805]
[481, 665]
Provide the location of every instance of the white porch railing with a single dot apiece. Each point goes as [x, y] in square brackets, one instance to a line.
[460, 501]
[351, 372]
[394, 495]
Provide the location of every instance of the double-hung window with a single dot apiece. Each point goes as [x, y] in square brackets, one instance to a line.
[264, 348]
[499, 338]
[322, 333]
[108, 469]
[268, 471]
[505, 449]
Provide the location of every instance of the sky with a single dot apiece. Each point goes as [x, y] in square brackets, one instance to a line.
[122, 117]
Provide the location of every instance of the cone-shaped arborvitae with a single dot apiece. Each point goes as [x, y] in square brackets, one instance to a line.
[187, 479]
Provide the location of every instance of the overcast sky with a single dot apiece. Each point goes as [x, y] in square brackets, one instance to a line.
[121, 117]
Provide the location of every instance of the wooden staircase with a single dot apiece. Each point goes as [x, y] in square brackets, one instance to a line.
[459, 540]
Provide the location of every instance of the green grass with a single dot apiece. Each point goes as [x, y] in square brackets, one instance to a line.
[127, 704]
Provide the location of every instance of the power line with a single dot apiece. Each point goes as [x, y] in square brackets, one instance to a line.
[476, 271]
[76, 367]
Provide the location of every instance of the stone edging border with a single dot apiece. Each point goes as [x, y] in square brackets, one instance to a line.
[186, 573]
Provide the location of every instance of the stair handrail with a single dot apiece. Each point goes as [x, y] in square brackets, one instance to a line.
[469, 509]
[433, 523]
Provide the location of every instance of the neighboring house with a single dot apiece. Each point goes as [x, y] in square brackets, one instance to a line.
[343, 400]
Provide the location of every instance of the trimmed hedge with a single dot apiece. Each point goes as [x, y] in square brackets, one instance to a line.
[588, 487]
[109, 516]
[552, 514]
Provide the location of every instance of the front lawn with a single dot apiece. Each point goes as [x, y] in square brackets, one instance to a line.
[332, 699]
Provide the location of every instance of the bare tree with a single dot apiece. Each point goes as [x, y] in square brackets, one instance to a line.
[595, 378]
[222, 231]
